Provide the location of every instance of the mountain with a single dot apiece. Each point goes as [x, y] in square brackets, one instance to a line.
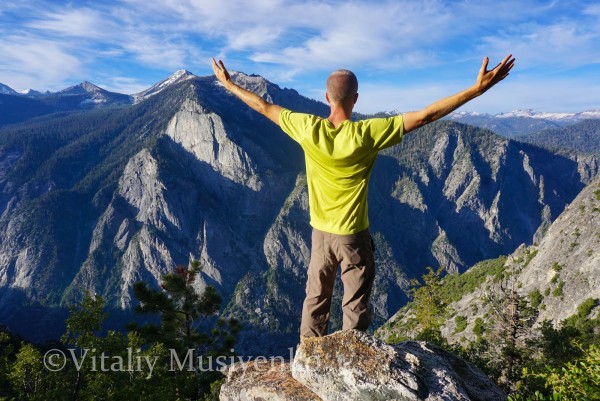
[522, 122]
[6, 90]
[17, 108]
[560, 118]
[559, 274]
[176, 77]
[92, 95]
[582, 137]
[99, 199]
[32, 93]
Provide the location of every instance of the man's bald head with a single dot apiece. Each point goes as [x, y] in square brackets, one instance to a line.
[342, 87]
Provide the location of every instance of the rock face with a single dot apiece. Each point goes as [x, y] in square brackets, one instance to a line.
[351, 365]
[559, 274]
[262, 381]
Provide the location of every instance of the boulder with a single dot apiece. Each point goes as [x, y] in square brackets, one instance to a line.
[354, 366]
[263, 381]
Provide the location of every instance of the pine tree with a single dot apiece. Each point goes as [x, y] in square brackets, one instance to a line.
[185, 328]
[430, 307]
[511, 318]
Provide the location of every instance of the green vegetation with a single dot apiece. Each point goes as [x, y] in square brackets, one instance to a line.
[529, 256]
[455, 286]
[531, 363]
[173, 359]
[576, 380]
[479, 327]
[461, 323]
[558, 291]
[535, 298]
[429, 306]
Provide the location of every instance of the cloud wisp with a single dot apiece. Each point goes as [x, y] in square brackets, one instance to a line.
[46, 45]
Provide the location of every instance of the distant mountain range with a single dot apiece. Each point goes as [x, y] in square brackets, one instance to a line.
[522, 122]
[100, 190]
[582, 137]
[18, 107]
[509, 124]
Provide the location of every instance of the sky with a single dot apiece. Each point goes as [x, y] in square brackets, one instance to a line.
[406, 54]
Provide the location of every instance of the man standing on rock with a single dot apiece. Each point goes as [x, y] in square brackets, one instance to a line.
[340, 155]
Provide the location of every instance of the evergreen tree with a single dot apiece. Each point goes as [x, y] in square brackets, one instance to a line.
[28, 375]
[511, 319]
[430, 308]
[7, 354]
[111, 365]
[187, 327]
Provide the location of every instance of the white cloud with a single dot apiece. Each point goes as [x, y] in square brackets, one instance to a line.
[31, 62]
[567, 44]
[289, 41]
[77, 23]
[125, 85]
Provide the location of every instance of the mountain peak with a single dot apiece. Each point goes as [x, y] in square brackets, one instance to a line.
[81, 89]
[7, 90]
[90, 87]
[176, 77]
[181, 73]
[31, 92]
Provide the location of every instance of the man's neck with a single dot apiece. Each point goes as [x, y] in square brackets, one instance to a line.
[339, 115]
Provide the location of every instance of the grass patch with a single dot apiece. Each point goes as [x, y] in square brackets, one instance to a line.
[455, 286]
[461, 323]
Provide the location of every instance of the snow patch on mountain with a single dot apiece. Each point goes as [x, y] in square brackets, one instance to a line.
[551, 116]
[529, 113]
[32, 93]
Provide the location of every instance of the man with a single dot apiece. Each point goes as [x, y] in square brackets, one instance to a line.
[340, 155]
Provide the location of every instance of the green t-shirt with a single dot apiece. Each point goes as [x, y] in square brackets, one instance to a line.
[339, 162]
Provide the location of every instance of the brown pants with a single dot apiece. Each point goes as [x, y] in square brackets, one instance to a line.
[355, 254]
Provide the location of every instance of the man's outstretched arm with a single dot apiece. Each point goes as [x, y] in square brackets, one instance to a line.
[485, 80]
[269, 110]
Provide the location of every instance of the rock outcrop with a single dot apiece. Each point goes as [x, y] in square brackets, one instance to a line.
[263, 380]
[352, 365]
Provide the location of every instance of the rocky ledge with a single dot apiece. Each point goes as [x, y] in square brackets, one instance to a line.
[351, 365]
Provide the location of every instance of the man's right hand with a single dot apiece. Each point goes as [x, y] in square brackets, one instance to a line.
[221, 72]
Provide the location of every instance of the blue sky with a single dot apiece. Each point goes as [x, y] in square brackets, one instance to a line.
[406, 54]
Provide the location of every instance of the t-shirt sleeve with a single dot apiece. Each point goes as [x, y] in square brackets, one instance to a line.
[293, 124]
[386, 132]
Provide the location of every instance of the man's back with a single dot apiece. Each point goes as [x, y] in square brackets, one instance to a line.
[339, 161]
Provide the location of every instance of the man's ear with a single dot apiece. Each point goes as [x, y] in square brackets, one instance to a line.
[355, 98]
[327, 98]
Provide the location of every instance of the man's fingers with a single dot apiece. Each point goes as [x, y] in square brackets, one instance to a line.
[508, 62]
[484, 65]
